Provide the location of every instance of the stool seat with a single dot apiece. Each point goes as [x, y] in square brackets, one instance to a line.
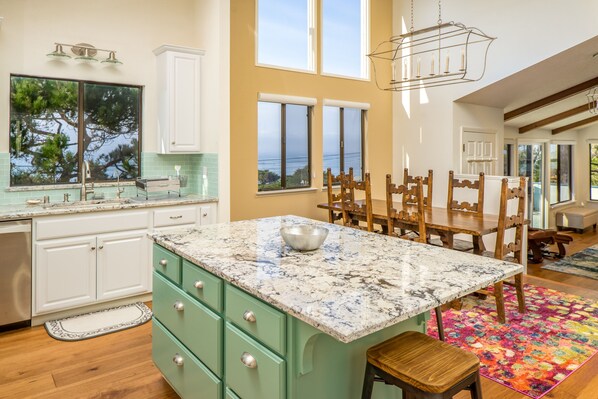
[423, 362]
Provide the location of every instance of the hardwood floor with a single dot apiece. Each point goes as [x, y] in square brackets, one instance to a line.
[119, 365]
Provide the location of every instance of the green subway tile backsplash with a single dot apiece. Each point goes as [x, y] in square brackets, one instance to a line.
[152, 165]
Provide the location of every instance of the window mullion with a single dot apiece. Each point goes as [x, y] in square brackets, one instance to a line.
[80, 129]
[342, 138]
[283, 146]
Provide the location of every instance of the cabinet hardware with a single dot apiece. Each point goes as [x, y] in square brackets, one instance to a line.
[101, 247]
[93, 248]
[176, 217]
[249, 316]
[198, 285]
[163, 262]
[205, 214]
[179, 306]
[248, 360]
[178, 360]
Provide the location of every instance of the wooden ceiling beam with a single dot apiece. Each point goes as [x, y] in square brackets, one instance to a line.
[551, 99]
[573, 125]
[554, 118]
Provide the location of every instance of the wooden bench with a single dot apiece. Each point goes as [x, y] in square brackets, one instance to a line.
[538, 240]
[577, 217]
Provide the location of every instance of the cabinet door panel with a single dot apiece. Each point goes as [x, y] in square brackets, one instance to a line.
[65, 273]
[123, 264]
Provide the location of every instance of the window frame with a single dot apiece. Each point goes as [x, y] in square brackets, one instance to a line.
[283, 152]
[558, 172]
[312, 42]
[366, 27]
[80, 125]
[363, 113]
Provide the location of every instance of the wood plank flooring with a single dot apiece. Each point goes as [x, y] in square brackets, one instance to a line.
[119, 366]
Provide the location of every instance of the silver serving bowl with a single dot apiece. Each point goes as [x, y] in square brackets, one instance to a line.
[304, 237]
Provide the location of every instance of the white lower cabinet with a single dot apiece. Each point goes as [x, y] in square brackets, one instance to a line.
[122, 260]
[79, 271]
[88, 258]
[67, 277]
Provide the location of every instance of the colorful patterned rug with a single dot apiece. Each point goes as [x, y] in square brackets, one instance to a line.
[534, 351]
[583, 263]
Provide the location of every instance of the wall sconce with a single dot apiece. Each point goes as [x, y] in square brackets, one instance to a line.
[83, 52]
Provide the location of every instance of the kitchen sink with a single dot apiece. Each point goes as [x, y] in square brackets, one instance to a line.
[87, 204]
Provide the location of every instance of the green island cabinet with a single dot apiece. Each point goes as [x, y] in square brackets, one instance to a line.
[212, 340]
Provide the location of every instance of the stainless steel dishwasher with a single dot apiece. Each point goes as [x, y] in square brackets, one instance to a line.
[15, 274]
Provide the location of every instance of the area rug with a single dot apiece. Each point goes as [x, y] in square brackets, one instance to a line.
[533, 352]
[90, 325]
[583, 263]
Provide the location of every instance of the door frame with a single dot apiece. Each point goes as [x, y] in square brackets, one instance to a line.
[545, 143]
[470, 129]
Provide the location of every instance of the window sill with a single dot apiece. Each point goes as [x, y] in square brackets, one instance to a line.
[284, 192]
[64, 186]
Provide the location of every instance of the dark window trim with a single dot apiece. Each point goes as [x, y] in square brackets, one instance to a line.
[283, 149]
[509, 156]
[81, 83]
[558, 173]
[595, 172]
[342, 141]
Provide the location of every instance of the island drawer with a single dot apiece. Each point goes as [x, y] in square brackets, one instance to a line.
[197, 327]
[253, 316]
[175, 216]
[167, 263]
[202, 285]
[187, 375]
[252, 371]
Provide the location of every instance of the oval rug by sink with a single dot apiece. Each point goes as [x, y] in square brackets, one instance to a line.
[94, 324]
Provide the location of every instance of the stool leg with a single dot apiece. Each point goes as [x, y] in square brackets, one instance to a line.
[476, 388]
[368, 382]
[439, 323]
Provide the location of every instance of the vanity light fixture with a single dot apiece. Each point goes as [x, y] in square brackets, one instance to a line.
[84, 52]
[441, 55]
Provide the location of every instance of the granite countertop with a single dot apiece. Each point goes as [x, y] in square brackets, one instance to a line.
[23, 211]
[355, 284]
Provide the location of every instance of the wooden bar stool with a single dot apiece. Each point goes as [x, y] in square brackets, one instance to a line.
[424, 368]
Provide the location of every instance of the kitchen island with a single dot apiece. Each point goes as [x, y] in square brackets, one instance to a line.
[240, 314]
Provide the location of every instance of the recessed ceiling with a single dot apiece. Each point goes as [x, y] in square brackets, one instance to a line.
[555, 74]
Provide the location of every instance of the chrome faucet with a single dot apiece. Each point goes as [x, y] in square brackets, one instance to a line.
[85, 175]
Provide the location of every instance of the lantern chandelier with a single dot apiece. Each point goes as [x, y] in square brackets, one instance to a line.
[593, 100]
[445, 54]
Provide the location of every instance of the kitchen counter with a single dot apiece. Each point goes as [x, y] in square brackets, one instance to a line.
[355, 284]
[23, 211]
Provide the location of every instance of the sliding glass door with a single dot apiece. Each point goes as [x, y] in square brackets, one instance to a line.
[531, 165]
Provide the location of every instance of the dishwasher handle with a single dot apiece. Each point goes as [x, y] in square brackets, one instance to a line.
[15, 227]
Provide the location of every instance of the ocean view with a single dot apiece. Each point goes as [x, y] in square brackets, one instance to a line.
[330, 161]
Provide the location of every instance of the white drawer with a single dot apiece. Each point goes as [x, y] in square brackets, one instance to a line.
[175, 216]
[85, 224]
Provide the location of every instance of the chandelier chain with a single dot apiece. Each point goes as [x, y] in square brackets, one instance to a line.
[411, 30]
[439, 13]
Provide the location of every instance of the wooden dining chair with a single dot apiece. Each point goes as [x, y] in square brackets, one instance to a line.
[352, 210]
[426, 181]
[333, 198]
[417, 218]
[502, 251]
[476, 208]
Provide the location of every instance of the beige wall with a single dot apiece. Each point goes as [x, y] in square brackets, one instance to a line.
[247, 81]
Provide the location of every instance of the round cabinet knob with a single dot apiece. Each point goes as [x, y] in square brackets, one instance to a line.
[249, 316]
[178, 360]
[198, 285]
[163, 262]
[93, 248]
[248, 360]
[101, 247]
[179, 306]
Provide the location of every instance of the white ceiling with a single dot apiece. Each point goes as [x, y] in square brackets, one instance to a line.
[562, 71]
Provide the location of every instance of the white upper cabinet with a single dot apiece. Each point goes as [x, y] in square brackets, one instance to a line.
[178, 83]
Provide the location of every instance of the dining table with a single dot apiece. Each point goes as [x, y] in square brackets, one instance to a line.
[439, 221]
